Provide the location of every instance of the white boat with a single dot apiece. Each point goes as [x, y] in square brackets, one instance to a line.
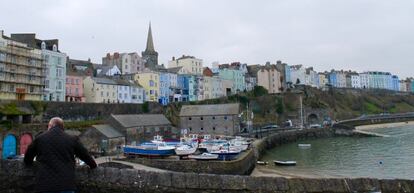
[239, 145]
[204, 156]
[226, 154]
[186, 149]
[304, 145]
[262, 163]
[284, 163]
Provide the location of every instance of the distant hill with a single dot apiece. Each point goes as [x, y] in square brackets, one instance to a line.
[339, 103]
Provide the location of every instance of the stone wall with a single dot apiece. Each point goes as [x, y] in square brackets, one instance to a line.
[15, 178]
[244, 165]
[277, 139]
[43, 111]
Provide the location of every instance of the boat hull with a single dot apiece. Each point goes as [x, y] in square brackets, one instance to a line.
[227, 155]
[285, 163]
[148, 152]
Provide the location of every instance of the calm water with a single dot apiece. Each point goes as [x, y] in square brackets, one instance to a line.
[379, 157]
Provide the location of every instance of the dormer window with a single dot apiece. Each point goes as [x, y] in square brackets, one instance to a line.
[54, 47]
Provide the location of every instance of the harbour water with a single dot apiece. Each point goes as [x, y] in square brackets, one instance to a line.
[377, 157]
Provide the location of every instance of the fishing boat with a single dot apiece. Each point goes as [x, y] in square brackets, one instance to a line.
[301, 145]
[204, 156]
[186, 149]
[150, 149]
[284, 163]
[261, 163]
[225, 154]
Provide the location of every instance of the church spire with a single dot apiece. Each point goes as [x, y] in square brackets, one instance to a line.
[150, 43]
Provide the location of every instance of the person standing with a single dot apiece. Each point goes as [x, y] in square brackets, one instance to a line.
[55, 151]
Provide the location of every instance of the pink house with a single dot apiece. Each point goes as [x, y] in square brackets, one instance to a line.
[76, 70]
[74, 89]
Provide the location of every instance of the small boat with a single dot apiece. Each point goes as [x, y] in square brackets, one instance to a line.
[225, 154]
[261, 163]
[150, 149]
[304, 145]
[284, 163]
[204, 156]
[186, 149]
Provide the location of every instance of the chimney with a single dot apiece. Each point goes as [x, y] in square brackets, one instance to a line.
[173, 58]
[1, 33]
[89, 59]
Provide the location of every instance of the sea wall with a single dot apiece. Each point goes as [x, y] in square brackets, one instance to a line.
[244, 165]
[277, 139]
[16, 178]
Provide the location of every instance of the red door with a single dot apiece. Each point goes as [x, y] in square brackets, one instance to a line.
[25, 141]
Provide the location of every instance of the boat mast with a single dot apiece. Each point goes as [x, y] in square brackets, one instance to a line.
[301, 111]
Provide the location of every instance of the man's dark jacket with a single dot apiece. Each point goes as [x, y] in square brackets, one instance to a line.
[55, 151]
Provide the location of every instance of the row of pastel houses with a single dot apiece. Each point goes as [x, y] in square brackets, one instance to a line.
[35, 69]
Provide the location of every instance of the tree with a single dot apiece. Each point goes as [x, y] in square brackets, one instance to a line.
[297, 81]
[145, 107]
[279, 107]
[259, 91]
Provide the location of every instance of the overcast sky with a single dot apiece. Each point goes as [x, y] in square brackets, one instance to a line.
[350, 34]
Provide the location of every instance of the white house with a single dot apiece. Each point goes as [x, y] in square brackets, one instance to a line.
[110, 70]
[355, 81]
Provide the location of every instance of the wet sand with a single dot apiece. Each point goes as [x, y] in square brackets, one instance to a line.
[271, 171]
[384, 125]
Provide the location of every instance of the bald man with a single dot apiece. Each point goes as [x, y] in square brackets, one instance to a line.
[55, 151]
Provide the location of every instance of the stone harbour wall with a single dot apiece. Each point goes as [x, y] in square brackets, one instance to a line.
[277, 139]
[244, 165]
[16, 178]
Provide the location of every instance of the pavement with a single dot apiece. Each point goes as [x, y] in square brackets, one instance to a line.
[137, 166]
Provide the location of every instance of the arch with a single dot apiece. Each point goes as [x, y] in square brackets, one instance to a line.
[25, 140]
[9, 146]
[313, 118]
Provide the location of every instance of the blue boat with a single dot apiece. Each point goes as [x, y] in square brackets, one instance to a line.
[150, 149]
[226, 154]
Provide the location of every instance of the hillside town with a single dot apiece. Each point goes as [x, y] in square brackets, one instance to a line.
[39, 70]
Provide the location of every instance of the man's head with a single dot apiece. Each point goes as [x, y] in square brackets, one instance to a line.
[55, 122]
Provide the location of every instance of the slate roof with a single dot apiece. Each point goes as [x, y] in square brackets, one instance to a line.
[107, 131]
[220, 109]
[103, 80]
[139, 120]
[174, 69]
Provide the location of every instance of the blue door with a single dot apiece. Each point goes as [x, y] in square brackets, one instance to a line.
[9, 146]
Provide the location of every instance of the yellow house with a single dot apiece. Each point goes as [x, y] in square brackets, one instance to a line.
[149, 80]
[100, 90]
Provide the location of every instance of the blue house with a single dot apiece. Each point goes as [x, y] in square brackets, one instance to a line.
[165, 84]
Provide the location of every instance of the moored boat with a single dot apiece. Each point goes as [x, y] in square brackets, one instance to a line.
[284, 163]
[204, 156]
[186, 149]
[304, 145]
[150, 149]
[261, 163]
[225, 154]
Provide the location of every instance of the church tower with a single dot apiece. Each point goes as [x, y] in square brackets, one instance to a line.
[150, 55]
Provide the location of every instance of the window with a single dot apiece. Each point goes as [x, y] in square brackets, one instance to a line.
[201, 118]
[59, 87]
[214, 128]
[107, 94]
[214, 117]
[125, 95]
[2, 56]
[77, 81]
[31, 89]
[11, 88]
[201, 128]
[46, 58]
[190, 128]
[59, 61]
[46, 83]
[120, 95]
[102, 94]
[225, 117]
[189, 118]
[76, 91]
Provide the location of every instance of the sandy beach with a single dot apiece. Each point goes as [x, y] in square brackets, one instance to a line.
[270, 171]
[384, 125]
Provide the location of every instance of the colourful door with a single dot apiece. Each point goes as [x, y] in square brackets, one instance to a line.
[9, 146]
[25, 141]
